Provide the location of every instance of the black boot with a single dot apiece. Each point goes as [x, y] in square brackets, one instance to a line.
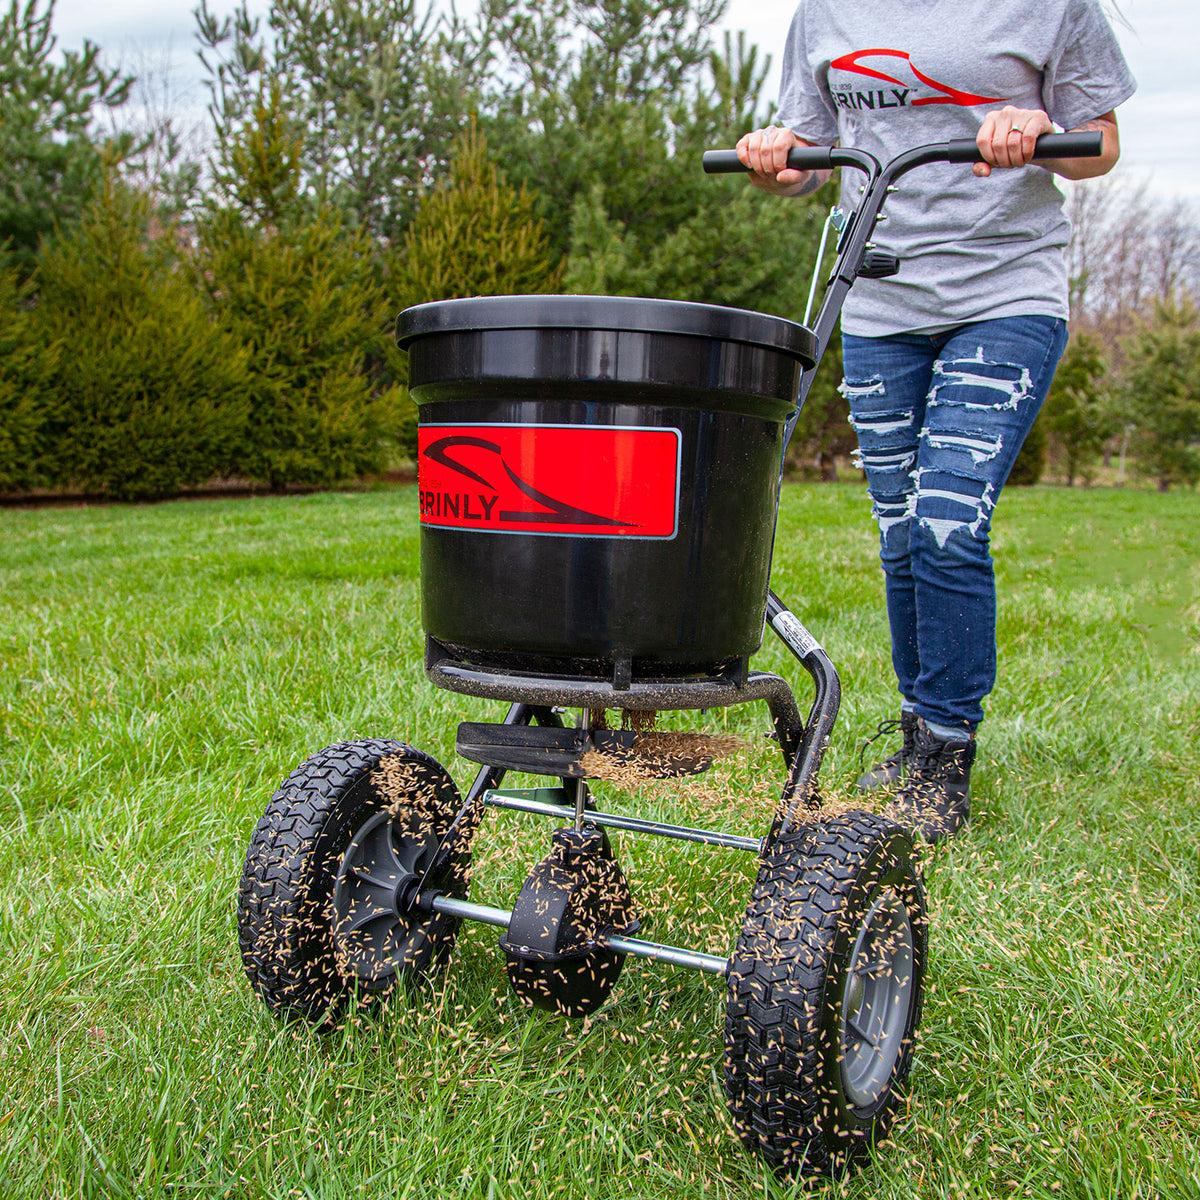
[934, 795]
[892, 769]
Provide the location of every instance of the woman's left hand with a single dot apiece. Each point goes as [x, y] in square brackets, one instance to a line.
[1008, 135]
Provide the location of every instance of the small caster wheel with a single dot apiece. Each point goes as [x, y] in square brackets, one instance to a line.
[353, 822]
[825, 993]
[574, 894]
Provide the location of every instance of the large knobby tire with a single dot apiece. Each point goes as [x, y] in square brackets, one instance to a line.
[286, 924]
[825, 993]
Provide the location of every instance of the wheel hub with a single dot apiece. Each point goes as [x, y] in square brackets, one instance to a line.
[376, 923]
[877, 1000]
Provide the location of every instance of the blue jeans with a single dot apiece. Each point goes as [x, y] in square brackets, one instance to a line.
[940, 419]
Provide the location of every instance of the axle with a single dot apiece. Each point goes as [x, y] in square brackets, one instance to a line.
[675, 955]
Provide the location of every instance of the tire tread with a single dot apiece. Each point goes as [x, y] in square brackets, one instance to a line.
[776, 1040]
[281, 933]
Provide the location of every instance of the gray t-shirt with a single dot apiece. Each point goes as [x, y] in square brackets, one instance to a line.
[884, 77]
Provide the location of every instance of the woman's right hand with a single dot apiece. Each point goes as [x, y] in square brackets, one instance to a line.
[765, 152]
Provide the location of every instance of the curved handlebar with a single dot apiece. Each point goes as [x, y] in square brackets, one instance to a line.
[960, 150]
[854, 242]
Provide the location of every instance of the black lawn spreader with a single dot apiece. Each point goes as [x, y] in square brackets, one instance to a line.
[599, 486]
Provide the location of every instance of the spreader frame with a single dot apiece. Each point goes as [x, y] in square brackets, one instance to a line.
[818, 1041]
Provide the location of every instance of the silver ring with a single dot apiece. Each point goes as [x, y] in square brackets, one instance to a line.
[1017, 129]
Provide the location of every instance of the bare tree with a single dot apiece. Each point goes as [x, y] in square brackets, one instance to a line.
[1177, 247]
[1129, 252]
[1133, 257]
[167, 125]
[1089, 209]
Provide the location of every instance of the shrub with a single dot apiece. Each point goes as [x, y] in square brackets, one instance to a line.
[303, 300]
[24, 365]
[145, 395]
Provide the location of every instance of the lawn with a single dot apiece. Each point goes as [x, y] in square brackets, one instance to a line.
[162, 667]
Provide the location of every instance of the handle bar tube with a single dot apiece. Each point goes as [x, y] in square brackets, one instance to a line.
[1080, 144]
[853, 244]
[852, 248]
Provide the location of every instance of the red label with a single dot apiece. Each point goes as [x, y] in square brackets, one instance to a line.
[578, 480]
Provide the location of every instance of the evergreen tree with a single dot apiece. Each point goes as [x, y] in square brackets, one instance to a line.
[367, 84]
[24, 366]
[50, 160]
[258, 172]
[1162, 394]
[1077, 412]
[1031, 458]
[303, 300]
[145, 393]
[299, 292]
[473, 235]
[618, 92]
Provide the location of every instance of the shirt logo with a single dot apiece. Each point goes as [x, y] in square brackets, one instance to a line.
[905, 95]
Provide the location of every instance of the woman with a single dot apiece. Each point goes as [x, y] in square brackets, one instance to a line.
[947, 363]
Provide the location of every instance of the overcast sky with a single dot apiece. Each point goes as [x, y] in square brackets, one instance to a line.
[1160, 125]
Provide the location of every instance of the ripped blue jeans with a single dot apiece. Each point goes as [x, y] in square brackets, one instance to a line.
[940, 419]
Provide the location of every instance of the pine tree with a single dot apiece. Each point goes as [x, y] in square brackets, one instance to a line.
[25, 364]
[51, 165]
[473, 235]
[1031, 458]
[304, 302]
[145, 394]
[259, 171]
[1077, 413]
[615, 92]
[298, 290]
[1162, 394]
[373, 96]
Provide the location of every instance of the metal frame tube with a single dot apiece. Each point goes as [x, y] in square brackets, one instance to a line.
[676, 956]
[483, 913]
[514, 802]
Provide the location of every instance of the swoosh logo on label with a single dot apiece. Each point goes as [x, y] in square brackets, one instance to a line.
[949, 95]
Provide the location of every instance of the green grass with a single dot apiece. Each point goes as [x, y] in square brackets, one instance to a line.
[162, 667]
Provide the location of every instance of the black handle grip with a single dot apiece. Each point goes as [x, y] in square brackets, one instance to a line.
[800, 158]
[1089, 144]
